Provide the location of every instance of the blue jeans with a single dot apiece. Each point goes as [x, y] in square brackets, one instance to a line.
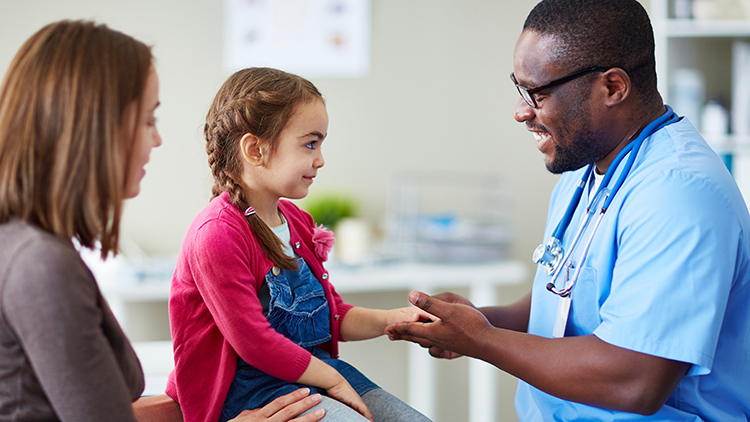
[298, 309]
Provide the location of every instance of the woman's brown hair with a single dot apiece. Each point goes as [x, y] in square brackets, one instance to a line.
[63, 156]
[258, 101]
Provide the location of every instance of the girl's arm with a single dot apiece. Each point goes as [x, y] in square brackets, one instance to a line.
[320, 374]
[364, 323]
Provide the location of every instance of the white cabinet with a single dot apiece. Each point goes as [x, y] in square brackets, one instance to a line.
[719, 50]
[706, 46]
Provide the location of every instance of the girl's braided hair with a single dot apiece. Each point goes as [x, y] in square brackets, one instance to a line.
[259, 101]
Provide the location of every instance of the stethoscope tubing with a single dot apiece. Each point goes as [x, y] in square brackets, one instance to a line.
[566, 255]
[568, 216]
[632, 149]
[566, 291]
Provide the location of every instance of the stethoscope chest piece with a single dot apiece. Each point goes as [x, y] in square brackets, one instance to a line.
[548, 254]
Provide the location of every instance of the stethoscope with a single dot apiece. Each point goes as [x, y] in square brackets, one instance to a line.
[551, 254]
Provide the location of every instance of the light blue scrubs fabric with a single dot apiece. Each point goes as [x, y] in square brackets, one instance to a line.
[667, 274]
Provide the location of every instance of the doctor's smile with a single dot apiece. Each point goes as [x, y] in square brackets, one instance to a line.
[541, 138]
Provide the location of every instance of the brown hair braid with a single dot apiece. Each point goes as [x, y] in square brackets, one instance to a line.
[259, 101]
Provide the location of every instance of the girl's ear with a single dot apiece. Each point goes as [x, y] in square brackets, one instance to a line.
[250, 147]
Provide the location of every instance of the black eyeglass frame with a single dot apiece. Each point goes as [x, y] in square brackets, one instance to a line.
[528, 93]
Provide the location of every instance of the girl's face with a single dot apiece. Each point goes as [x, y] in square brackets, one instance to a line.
[146, 135]
[290, 169]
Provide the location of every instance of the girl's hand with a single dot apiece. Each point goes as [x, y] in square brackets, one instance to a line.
[323, 375]
[414, 314]
[409, 314]
[344, 393]
[285, 409]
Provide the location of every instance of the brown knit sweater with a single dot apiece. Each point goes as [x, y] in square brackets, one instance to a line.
[63, 355]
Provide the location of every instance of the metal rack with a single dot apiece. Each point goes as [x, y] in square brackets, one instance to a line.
[448, 217]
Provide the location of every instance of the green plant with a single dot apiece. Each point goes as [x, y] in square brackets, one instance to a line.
[328, 209]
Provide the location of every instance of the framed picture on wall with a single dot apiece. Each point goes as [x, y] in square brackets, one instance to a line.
[313, 38]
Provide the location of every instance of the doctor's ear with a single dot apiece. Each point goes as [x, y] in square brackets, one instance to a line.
[618, 86]
[252, 149]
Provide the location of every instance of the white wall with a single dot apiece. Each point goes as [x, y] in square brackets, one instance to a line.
[438, 98]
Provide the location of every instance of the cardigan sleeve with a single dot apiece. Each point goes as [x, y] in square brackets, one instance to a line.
[341, 309]
[221, 263]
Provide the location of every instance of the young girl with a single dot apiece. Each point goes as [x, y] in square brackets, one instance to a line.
[252, 311]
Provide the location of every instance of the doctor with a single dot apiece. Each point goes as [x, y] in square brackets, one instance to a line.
[648, 315]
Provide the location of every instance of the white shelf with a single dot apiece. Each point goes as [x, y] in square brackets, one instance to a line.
[706, 45]
[407, 275]
[703, 44]
[729, 143]
[693, 28]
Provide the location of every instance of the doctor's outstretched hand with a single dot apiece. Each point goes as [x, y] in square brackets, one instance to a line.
[452, 335]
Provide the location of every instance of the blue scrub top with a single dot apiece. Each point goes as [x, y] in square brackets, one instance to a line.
[667, 275]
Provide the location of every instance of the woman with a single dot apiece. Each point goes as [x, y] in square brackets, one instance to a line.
[77, 126]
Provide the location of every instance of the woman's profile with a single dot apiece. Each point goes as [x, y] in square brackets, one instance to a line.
[76, 128]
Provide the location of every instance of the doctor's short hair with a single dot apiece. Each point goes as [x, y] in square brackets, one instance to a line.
[64, 102]
[605, 33]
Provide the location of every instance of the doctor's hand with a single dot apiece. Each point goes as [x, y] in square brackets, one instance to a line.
[453, 298]
[452, 335]
[450, 298]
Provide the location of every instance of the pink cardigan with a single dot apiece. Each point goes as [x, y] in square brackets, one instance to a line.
[215, 313]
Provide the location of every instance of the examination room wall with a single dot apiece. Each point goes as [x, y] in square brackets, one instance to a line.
[438, 98]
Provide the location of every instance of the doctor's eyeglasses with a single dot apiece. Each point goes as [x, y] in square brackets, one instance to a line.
[528, 93]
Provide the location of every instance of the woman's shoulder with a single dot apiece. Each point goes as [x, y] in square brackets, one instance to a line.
[27, 243]
[35, 262]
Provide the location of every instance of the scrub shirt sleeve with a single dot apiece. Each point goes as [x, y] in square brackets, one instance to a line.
[676, 248]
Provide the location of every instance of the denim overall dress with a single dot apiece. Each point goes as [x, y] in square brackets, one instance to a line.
[297, 309]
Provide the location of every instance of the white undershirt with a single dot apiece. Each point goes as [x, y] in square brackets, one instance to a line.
[283, 233]
[594, 184]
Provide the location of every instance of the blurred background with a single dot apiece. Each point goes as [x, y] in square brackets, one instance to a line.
[435, 102]
[436, 98]
[422, 149]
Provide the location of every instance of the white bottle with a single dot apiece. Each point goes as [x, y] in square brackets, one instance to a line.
[715, 124]
[687, 94]
[683, 9]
